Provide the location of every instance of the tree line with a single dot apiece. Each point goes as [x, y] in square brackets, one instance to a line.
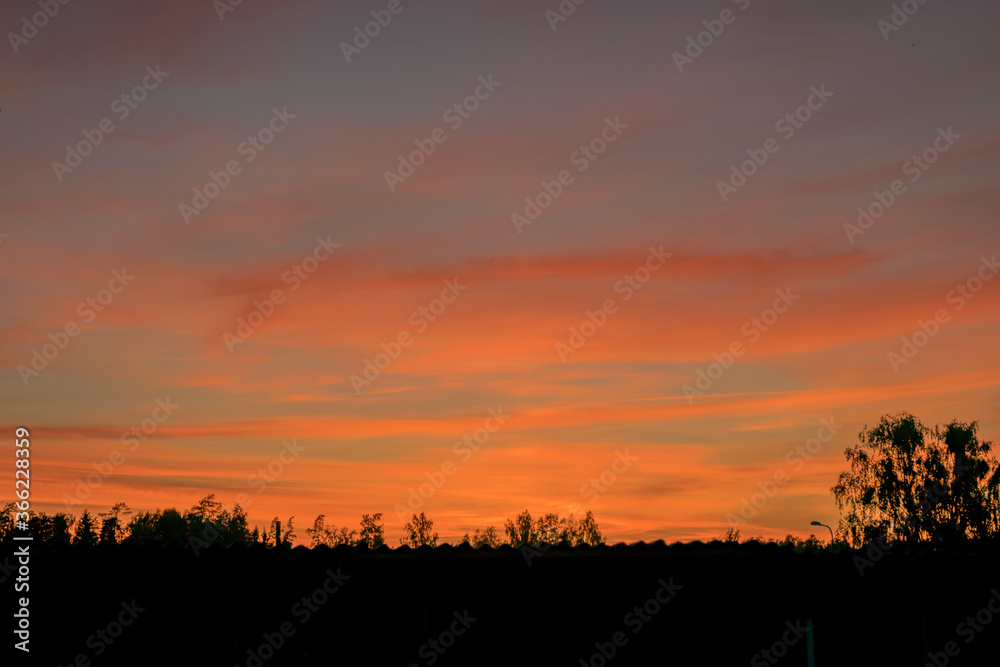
[208, 523]
[907, 483]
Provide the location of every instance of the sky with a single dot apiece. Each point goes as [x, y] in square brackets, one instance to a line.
[533, 256]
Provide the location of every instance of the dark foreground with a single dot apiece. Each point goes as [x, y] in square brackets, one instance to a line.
[637, 605]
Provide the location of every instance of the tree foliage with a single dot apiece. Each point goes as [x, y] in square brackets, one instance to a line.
[113, 528]
[550, 529]
[7, 520]
[62, 525]
[142, 528]
[86, 531]
[811, 543]
[331, 536]
[236, 530]
[486, 538]
[419, 532]
[209, 523]
[172, 527]
[909, 483]
[280, 534]
[208, 508]
[372, 531]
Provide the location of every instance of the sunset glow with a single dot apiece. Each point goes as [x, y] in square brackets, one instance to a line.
[493, 261]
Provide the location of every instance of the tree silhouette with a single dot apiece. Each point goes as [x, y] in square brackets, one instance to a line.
[142, 528]
[912, 484]
[236, 530]
[7, 520]
[86, 531]
[588, 531]
[208, 509]
[317, 534]
[203, 519]
[552, 530]
[40, 527]
[486, 538]
[61, 525]
[521, 530]
[331, 536]
[112, 527]
[171, 527]
[371, 534]
[419, 532]
[372, 531]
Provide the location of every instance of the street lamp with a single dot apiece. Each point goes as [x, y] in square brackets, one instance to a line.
[809, 623]
[817, 523]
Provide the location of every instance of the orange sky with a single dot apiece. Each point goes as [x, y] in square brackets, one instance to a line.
[638, 236]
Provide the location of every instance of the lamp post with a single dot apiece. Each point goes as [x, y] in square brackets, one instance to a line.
[809, 623]
[817, 523]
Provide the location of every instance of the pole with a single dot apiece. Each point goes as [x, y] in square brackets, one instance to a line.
[809, 642]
